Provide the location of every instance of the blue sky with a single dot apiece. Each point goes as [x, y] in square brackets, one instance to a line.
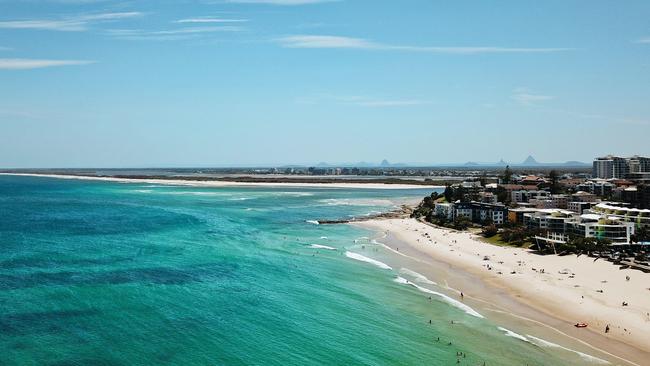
[92, 83]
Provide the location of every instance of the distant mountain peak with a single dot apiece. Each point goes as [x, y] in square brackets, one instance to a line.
[384, 163]
[501, 162]
[530, 160]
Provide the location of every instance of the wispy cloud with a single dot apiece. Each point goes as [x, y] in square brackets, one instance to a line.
[71, 24]
[5, 48]
[526, 97]
[169, 34]
[281, 2]
[26, 64]
[203, 20]
[324, 41]
[643, 40]
[362, 101]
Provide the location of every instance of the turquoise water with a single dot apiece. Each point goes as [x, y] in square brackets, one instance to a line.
[102, 273]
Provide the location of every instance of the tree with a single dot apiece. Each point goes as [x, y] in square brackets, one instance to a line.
[483, 179]
[459, 193]
[641, 234]
[448, 193]
[506, 178]
[462, 223]
[489, 231]
[502, 195]
[553, 177]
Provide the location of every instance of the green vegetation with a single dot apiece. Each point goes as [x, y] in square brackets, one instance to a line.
[506, 178]
[425, 208]
[641, 234]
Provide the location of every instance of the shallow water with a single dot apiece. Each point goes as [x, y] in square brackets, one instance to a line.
[105, 273]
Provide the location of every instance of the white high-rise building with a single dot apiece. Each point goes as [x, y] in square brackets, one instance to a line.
[614, 167]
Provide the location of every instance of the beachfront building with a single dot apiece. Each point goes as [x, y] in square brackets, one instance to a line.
[559, 225]
[603, 227]
[516, 215]
[445, 210]
[639, 217]
[480, 212]
[553, 219]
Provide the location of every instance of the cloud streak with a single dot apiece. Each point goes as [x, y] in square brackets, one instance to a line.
[645, 40]
[280, 2]
[525, 97]
[27, 64]
[73, 24]
[169, 34]
[203, 20]
[338, 42]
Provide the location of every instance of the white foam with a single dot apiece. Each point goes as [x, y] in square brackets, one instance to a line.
[143, 190]
[417, 277]
[361, 258]
[323, 237]
[196, 193]
[512, 334]
[542, 343]
[356, 202]
[313, 222]
[292, 194]
[319, 246]
[447, 299]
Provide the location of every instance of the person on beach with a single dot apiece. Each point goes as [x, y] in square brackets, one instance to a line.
[462, 296]
[607, 329]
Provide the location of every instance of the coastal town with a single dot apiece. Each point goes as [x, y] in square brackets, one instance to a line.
[605, 213]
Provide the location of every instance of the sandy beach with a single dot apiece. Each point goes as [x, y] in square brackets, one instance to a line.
[214, 183]
[547, 293]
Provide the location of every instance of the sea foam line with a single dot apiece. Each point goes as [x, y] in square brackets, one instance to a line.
[362, 258]
[418, 277]
[447, 299]
[512, 334]
[319, 246]
[315, 222]
[542, 343]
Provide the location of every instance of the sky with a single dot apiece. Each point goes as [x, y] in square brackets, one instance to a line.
[101, 83]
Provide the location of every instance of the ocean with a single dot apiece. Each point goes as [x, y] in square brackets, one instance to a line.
[106, 273]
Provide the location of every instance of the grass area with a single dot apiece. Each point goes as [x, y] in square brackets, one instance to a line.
[496, 240]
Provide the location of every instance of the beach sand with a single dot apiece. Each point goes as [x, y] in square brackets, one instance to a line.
[529, 291]
[215, 183]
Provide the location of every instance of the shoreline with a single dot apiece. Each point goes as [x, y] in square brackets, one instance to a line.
[546, 301]
[230, 183]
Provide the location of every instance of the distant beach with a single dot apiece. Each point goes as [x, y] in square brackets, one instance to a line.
[188, 181]
[555, 292]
